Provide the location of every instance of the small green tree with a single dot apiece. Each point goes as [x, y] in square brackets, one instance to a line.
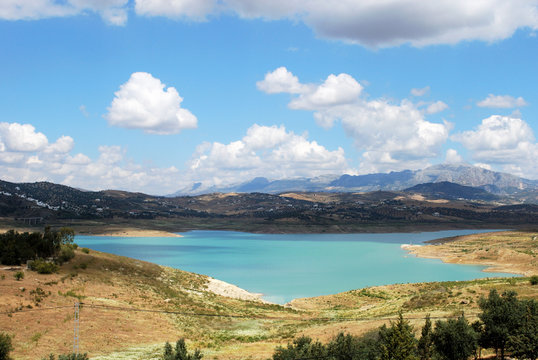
[19, 275]
[5, 346]
[398, 341]
[425, 345]
[501, 317]
[524, 343]
[343, 347]
[180, 352]
[302, 347]
[454, 339]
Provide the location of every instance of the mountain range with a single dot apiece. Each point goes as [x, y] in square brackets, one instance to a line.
[463, 174]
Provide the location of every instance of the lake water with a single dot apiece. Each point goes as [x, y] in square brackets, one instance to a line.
[288, 266]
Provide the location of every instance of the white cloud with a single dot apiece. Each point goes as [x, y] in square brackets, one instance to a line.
[502, 101]
[280, 80]
[374, 23]
[420, 92]
[113, 12]
[63, 145]
[143, 103]
[392, 135]
[371, 23]
[195, 9]
[503, 141]
[452, 157]
[27, 156]
[17, 137]
[336, 90]
[436, 107]
[268, 151]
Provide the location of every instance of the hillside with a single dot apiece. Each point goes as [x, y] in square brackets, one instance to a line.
[452, 191]
[173, 303]
[426, 207]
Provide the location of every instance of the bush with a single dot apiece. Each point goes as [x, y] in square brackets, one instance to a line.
[85, 250]
[534, 280]
[5, 346]
[180, 353]
[43, 267]
[66, 254]
[71, 356]
[19, 275]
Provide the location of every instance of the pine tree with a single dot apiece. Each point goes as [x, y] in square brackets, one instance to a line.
[425, 346]
[501, 317]
[397, 342]
[454, 339]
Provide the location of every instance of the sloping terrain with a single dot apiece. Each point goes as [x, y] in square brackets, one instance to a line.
[130, 308]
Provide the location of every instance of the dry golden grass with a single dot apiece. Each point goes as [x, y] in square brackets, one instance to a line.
[508, 251]
[247, 329]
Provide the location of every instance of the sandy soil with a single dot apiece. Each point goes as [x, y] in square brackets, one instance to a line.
[138, 233]
[507, 251]
[222, 288]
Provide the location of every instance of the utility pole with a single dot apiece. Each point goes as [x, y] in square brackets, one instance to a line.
[75, 332]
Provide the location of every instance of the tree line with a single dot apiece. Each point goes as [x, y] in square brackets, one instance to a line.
[17, 248]
[506, 324]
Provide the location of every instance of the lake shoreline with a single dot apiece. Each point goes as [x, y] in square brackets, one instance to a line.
[489, 250]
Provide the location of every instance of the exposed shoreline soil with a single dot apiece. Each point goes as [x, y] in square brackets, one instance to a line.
[513, 252]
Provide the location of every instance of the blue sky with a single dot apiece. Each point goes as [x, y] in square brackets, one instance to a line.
[153, 96]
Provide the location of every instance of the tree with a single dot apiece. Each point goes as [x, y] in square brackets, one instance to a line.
[425, 345]
[501, 317]
[398, 341]
[180, 353]
[454, 339]
[302, 347]
[5, 346]
[524, 343]
[343, 347]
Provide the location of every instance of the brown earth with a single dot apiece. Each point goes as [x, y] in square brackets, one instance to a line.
[38, 310]
[507, 251]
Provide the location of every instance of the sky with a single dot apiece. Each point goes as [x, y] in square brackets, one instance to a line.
[156, 95]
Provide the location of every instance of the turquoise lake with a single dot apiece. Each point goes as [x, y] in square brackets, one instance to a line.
[288, 266]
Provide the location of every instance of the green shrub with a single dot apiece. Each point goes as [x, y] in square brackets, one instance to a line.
[5, 346]
[534, 280]
[43, 267]
[85, 250]
[83, 266]
[19, 275]
[71, 356]
[66, 254]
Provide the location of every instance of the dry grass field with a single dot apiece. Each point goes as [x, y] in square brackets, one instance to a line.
[38, 310]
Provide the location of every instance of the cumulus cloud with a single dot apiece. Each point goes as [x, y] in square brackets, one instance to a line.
[268, 151]
[21, 138]
[436, 107]
[504, 141]
[370, 23]
[144, 103]
[279, 81]
[502, 101]
[420, 92]
[452, 157]
[113, 12]
[336, 90]
[373, 23]
[194, 9]
[392, 135]
[26, 155]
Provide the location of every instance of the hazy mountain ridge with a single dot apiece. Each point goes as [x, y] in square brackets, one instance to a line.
[453, 191]
[491, 181]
